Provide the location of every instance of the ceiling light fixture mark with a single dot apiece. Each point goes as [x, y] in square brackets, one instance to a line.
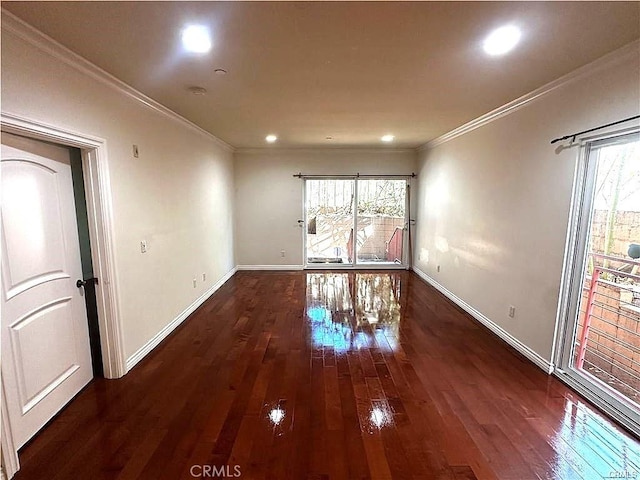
[271, 138]
[197, 90]
[220, 71]
[387, 138]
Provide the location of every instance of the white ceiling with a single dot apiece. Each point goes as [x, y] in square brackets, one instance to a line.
[350, 70]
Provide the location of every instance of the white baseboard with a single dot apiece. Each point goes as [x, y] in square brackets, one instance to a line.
[269, 267]
[166, 331]
[494, 327]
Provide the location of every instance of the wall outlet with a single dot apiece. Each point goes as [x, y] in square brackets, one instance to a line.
[282, 253]
[143, 246]
[204, 277]
[512, 311]
[195, 282]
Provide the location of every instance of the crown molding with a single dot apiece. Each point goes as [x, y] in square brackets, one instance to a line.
[328, 150]
[617, 56]
[46, 44]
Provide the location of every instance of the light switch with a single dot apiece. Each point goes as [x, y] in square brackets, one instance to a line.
[143, 246]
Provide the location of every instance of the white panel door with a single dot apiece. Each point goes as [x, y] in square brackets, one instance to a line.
[45, 341]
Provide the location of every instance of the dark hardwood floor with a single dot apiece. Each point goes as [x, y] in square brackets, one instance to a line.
[308, 375]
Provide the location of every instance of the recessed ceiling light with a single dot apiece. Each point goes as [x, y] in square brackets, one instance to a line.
[220, 71]
[196, 39]
[328, 138]
[197, 90]
[502, 40]
[387, 138]
[271, 138]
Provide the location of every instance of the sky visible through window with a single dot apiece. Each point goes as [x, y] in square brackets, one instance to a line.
[619, 171]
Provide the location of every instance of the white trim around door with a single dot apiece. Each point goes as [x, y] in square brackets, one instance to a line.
[97, 187]
[98, 192]
[10, 462]
[354, 263]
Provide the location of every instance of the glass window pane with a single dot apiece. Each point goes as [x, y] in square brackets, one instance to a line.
[381, 220]
[606, 345]
[329, 215]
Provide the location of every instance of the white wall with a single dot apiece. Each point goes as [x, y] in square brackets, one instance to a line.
[268, 199]
[494, 203]
[178, 195]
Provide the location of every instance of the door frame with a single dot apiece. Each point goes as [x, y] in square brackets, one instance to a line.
[354, 265]
[571, 282]
[407, 221]
[305, 221]
[9, 460]
[99, 211]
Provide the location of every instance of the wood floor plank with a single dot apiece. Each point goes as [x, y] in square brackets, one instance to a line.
[330, 375]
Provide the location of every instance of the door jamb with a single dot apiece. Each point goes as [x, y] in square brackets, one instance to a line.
[98, 191]
[9, 460]
[99, 211]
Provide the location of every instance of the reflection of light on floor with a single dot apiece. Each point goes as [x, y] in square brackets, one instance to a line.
[353, 312]
[393, 342]
[276, 415]
[583, 434]
[325, 332]
[318, 314]
[363, 340]
[380, 416]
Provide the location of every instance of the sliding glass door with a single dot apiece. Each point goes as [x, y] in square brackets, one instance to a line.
[355, 221]
[600, 353]
[381, 220]
[329, 221]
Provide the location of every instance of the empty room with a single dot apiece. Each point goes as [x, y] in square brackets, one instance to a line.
[320, 240]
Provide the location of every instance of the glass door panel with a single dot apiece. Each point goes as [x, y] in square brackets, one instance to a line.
[382, 209]
[602, 350]
[607, 343]
[329, 221]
